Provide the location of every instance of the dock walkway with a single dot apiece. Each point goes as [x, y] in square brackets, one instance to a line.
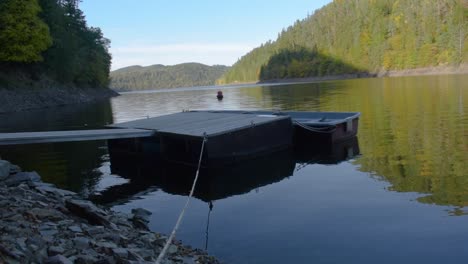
[185, 124]
[71, 135]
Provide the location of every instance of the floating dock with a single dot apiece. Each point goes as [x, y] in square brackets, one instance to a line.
[229, 136]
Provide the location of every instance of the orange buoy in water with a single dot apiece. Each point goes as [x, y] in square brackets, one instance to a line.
[220, 95]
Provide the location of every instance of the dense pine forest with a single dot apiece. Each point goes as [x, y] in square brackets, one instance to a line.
[160, 76]
[361, 36]
[48, 41]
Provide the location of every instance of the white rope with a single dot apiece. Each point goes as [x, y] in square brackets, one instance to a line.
[181, 215]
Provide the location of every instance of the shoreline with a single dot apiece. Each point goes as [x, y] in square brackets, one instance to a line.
[25, 99]
[426, 71]
[47, 93]
[435, 70]
[43, 224]
[440, 70]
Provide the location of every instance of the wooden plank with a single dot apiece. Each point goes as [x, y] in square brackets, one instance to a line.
[71, 135]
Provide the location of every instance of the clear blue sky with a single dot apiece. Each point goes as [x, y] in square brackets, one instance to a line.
[169, 32]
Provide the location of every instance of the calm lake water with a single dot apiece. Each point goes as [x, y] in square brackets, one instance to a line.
[401, 200]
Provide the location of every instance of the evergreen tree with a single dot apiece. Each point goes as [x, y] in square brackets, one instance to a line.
[23, 35]
[79, 53]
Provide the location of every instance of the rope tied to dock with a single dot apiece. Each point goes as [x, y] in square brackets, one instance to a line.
[181, 215]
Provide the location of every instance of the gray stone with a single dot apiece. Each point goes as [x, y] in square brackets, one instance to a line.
[120, 252]
[140, 213]
[41, 203]
[106, 245]
[55, 250]
[14, 169]
[161, 241]
[21, 243]
[94, 230]
[121, 221]
[75, 229]
[90, 252]
[85, 259]
[81, 243]
[46, 213]
[15, 218]
[186, 260]
[48, 234]
[36, 197]
[65, 222]
[34, 247]
[20, 177]
[167, 261]
[140, 224]
[40, 255]
[35, 241]
[88, 211]
[146, 254]
[4, 203]
[132, 256]
[50, 189]
[69, 253]
[4, 169]
[6, 252]
[112, 237]
[40, 184]
[58, 259]
[47, 226]
[172, 249]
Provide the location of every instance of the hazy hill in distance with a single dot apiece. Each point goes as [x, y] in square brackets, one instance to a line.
[361, 36]
[159, 76]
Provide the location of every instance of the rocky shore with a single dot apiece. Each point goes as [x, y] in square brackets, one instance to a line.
[15, 100]
[40, 223]
[435, 70]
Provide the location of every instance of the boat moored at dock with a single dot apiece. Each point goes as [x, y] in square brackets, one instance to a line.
[313, 127]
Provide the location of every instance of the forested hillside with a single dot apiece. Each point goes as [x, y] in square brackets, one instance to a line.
[160, 76]
[48, 41]
[361, 36]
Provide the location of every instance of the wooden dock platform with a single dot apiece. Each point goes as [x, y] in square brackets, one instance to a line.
[71, 135]
[230, 136]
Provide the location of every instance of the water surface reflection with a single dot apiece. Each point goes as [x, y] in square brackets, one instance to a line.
[390, 204]
[147, 172]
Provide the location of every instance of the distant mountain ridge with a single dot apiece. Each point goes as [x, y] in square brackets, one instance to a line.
[159, 76]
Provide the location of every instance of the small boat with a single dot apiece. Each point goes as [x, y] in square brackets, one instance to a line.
[220, 95]
[314, 127]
